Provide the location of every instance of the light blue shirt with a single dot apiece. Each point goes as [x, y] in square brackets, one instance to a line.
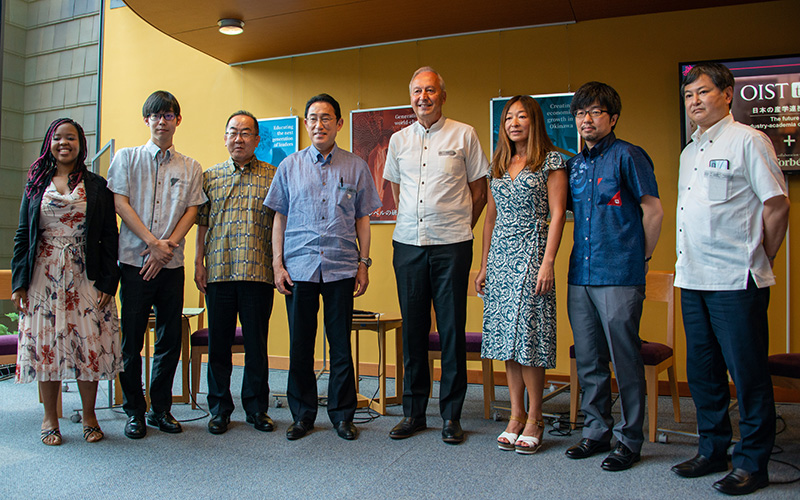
[160, 187]
[321, 199]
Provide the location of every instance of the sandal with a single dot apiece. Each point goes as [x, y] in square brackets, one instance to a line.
[46, 433]
[88, 431]
[528, 445]
[509, 436]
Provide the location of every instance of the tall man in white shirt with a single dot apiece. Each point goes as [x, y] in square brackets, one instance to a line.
[437, 170]
[156, 193]
[732, 216]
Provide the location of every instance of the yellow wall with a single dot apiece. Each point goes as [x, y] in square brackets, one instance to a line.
[637, 55]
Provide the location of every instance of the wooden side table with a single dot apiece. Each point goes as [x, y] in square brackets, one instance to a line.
[381, 324]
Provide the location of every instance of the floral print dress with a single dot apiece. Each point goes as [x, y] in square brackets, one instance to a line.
[519, 325]
[64, 335]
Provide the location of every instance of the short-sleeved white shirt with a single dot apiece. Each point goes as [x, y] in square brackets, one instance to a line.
[726, 175]
[160, 187]
[434, 168]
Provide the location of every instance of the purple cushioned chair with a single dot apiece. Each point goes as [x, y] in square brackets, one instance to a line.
[785, 370]
[199, 346]
[8, 343]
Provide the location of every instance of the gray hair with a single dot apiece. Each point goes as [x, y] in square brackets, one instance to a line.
[427, 69]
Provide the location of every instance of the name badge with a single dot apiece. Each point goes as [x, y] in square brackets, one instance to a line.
[719, 164]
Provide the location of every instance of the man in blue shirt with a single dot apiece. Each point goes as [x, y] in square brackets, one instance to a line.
[614, 197]
[322, 197]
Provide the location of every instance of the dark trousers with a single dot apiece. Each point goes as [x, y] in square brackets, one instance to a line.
[728, 331]
[163, 294]
[605, 326]
[252, 300]
[437, 273]
[302, 307]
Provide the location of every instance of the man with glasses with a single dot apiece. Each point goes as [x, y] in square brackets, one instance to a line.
[156, 192]
[322, 197]
[233, 268]
[614, 197]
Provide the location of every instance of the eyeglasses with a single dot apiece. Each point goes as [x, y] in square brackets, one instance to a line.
[324, 119]
[594, 113]
[244, 135]
[156, 117]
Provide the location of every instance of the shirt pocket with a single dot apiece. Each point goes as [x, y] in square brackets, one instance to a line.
[608, 193]
[179, 190]
[346, 200]
[452, 161]
[718, 184]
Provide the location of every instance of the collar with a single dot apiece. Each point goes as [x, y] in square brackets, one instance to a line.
[245, 167]
[317, 158]
[600, 147]
[154, 150]
[713, 132]
[435, 127]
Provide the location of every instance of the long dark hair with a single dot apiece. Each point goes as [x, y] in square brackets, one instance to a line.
[539, 143]
[42, 169]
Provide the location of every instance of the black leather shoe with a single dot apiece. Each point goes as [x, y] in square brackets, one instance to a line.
[622, 458]
[452, 433]
[261, 421]
[164, 421]
[346, 430]
[298, 429]
[586, 448]
[219, 424]
[699, 466]
[135, 428]
[741, 482]
[407, 427]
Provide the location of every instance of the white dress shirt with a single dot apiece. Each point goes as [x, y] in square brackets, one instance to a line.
[434, 168]
[726, 175]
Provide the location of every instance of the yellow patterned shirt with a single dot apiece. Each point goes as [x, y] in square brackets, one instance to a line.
[238, 244]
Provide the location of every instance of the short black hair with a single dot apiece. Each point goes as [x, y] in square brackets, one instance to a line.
[719, 74]
[242, 112]
[161, 101]
[325, 98]
[603, 93]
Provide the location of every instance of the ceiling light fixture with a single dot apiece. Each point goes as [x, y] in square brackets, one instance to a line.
[230, 26]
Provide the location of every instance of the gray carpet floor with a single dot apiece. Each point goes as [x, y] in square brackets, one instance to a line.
[245, 463]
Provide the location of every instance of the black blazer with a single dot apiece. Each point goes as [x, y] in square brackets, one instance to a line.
[102, 239]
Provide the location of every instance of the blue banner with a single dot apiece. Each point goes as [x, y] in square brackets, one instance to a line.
[278, 138]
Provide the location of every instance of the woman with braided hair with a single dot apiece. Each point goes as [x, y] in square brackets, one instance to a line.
[64, 277]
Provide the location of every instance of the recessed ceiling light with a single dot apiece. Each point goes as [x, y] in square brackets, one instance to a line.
[231, 26]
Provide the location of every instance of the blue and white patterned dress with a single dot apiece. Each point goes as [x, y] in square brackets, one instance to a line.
[519, 325]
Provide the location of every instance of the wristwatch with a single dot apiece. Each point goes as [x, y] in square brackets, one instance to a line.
[366, 260]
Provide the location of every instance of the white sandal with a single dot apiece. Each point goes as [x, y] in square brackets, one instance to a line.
[509, 436]
[528, 445]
